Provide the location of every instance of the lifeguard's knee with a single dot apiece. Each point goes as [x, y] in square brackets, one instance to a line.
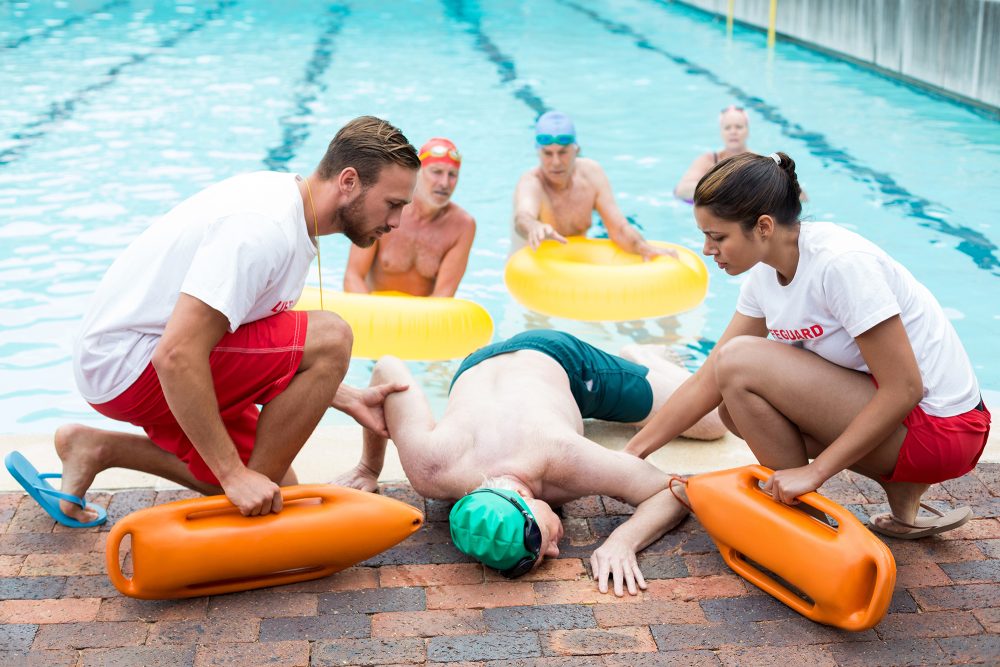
[329, 336]
[735, 360]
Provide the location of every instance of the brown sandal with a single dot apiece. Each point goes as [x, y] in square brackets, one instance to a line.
[923, 526]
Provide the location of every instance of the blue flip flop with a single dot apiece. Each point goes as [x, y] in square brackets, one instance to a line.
[43, 493]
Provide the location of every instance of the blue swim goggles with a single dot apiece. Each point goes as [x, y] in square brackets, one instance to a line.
[549, 139]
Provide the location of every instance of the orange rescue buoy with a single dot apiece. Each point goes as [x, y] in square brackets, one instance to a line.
[204, 546]
[844, 575]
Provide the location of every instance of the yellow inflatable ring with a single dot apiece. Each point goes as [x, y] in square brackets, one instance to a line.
[417, 328]
[595, 280]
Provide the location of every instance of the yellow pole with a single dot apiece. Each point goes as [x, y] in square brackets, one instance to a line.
[729, 19]
[771, 21]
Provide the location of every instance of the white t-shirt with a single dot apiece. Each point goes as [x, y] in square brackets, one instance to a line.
[241, 246]
[843, 286]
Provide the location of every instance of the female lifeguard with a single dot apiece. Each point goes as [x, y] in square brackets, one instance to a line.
[836, 357]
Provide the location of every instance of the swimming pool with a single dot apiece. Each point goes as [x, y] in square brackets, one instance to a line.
[116, 110]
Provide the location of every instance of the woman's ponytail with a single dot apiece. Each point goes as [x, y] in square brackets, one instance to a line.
[746, 186]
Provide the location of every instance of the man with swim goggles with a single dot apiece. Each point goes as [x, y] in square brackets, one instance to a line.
[510, 446]
[428, 253]
[558, 198]
[497, 528]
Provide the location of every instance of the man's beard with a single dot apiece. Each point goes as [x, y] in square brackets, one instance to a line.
[352, 222]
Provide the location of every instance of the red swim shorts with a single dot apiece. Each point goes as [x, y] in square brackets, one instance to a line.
[936, 449]
[250, 367]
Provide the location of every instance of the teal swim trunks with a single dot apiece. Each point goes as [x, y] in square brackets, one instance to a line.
[605, 386]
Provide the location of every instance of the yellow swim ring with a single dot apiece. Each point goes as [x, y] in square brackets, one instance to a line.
[417, 328]
[595, 280]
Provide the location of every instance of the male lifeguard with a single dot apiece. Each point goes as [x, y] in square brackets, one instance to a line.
[428, 254]
[558, 198]
[189, 331]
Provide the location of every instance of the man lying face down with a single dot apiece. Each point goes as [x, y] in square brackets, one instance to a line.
[510, 446]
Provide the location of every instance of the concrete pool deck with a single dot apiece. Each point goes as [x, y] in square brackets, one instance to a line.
[423, 602]
[335, 449]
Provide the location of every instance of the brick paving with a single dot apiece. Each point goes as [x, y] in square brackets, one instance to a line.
[422, 602]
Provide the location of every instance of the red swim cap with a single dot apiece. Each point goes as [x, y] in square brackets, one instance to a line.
[439, 149]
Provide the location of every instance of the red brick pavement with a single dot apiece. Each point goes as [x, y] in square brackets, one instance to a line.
[424, 603]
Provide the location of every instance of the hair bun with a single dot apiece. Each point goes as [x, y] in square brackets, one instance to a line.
[746, 186]
[787, 165]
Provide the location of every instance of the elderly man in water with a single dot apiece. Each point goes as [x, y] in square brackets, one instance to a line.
[558, 198]
[510, 445]
[428, 253]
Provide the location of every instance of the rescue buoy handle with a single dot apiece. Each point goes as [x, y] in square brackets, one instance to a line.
[813, 499]
[111, 557]
[189, 509]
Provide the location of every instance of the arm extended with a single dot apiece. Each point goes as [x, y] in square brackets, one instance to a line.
[181, 363]
[587, 468]
[623, 234]
[409, 421]
[527, 209]
[695, 398]
[455, 261]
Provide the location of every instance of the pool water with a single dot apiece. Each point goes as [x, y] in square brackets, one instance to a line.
[114, 111]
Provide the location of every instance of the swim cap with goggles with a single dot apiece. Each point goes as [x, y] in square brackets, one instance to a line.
[554, 127]
[441, 150]
[497, 528]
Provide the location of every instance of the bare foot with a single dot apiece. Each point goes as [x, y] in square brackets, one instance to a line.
[656, 356]
[709, 427]
[666, 374]
[79, 448]
[359, 478]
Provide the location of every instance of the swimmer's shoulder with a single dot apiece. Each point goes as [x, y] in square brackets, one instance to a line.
[589, 165]
[707, 159]
[531, 178]
[591, 171]
[459, 217]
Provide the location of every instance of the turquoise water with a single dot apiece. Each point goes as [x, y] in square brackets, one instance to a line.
[114, 111]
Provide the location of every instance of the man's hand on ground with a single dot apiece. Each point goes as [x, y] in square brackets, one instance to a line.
[616, 561]
[360, 478]
[365, 405]
[253, 493]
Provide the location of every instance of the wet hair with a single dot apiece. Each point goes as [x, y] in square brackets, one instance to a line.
[367, 143]
[746, 186]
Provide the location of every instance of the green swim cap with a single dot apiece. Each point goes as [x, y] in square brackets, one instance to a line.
[486, 525]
